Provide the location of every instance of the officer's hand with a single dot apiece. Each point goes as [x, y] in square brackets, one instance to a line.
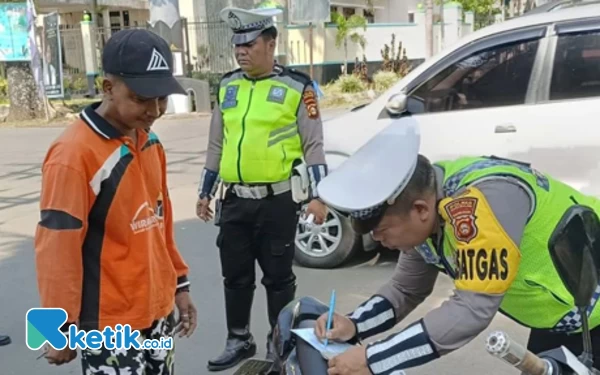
[342, 328]
[351, 362]
[59, 357]
[203, 210]
[318, 209]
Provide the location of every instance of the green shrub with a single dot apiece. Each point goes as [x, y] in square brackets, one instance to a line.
[351, 84]
[384, 80]
[3, 87]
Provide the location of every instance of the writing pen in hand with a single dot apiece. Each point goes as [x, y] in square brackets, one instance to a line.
[330, 316]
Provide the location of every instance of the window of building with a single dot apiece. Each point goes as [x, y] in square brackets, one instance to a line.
[348, 12]
[490, 78]
[369, 15]
[576, 71]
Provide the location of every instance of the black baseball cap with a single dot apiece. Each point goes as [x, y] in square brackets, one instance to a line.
[143, 60]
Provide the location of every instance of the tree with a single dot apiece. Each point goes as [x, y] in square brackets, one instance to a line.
[27, 101]
[483, 11]
[345, 32]
[23, 95]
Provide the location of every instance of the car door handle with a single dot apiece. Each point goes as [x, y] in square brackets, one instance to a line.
[507, 128]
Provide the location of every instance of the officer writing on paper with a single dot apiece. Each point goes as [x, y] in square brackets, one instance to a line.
[265, 144]
[485, 222]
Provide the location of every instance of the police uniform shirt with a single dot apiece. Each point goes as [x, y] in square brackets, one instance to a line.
[310, 128]
[467, 313]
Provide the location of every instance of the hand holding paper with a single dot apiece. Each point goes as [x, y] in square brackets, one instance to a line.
[327, 351]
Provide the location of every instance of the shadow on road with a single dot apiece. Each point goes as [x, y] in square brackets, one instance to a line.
[21, 171]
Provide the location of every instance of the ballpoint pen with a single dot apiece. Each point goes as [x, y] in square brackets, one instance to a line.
[330, 316]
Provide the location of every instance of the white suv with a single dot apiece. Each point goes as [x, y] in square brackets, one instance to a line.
[526, 89]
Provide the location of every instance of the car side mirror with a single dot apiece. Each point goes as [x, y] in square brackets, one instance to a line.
[396, 104]
[575, 251]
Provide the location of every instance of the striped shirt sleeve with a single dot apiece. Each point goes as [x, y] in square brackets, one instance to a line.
[373, 316]
[411, 283]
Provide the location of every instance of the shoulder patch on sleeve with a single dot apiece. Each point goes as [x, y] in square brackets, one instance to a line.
[486, 259]
[309, 97]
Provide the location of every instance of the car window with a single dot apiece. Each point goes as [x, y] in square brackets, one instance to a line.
[576, 70]
[495, 77]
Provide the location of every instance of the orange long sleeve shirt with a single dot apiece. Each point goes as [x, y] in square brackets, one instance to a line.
[104, 246]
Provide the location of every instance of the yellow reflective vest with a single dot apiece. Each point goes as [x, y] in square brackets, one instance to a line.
[260, 135]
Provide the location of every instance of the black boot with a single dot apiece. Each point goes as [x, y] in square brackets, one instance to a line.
[240, 343]
[277, 300]
[4, 340]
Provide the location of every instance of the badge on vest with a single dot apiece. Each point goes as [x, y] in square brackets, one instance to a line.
[277, 94]
[230, 100]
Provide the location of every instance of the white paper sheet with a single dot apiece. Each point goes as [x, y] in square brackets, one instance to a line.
[331, 350]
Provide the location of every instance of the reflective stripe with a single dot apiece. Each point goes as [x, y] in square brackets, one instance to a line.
[409, 348]
[283, 129]
[373, 316]
[282, 137]
[289, 81]
[453, 182]
[375, 321]
[316, 173]
[231, 78]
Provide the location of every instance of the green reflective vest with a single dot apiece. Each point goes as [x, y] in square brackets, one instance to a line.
[260, 137]
[537, 298]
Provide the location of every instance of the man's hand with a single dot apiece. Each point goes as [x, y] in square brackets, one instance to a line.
[188, 316]
[318, 209]
[203, 210]
[343, 328]
[352, 362]
[59, 357]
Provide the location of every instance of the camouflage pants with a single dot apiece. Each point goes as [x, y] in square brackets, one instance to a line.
[134, 361]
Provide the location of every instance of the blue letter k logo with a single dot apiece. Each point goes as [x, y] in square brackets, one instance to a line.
[43, 325]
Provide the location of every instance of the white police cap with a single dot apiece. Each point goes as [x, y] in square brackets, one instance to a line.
[247, 25]
[373, 177]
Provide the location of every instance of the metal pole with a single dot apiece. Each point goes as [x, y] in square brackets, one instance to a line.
[91, 80]
[428, 28]
[442, 26]
[188, 66]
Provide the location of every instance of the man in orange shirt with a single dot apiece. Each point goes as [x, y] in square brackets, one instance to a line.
[105, 247]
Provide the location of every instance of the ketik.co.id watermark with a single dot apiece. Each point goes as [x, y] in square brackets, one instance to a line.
[43, 326]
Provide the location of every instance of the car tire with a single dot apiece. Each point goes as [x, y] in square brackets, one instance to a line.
[336, 233]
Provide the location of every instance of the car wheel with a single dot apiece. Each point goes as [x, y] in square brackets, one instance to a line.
[327, 245]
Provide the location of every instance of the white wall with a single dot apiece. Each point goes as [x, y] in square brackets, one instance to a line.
[412, 36]
[395, 11]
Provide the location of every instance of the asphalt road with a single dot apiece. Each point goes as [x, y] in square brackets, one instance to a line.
[21, 154]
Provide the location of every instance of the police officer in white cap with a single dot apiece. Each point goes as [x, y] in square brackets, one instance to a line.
[487, 222]
[265, 128]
